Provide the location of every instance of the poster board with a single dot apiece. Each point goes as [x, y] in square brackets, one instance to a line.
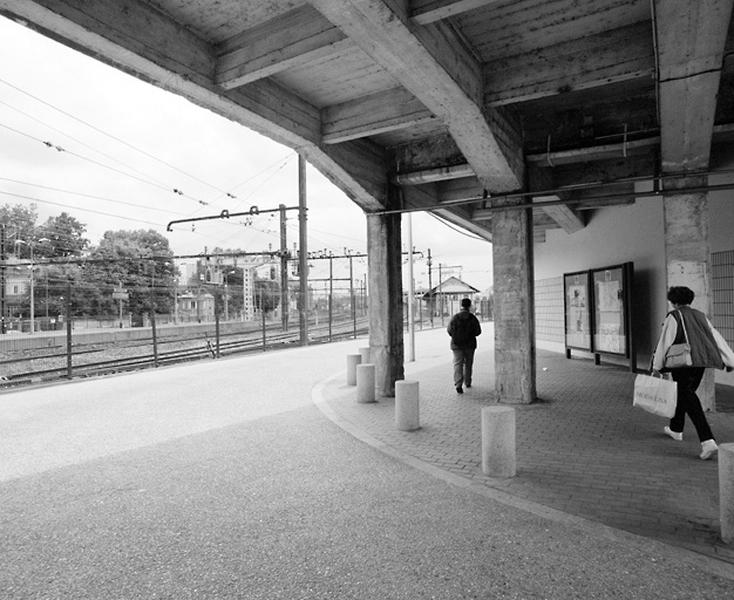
[577, 310]
[597, 305]
[611, 310]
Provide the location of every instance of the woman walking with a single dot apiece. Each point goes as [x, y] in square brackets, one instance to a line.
[708, 349]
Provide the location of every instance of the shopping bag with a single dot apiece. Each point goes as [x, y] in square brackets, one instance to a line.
[656, 395]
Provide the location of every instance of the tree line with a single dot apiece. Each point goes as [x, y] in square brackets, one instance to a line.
[139, 261]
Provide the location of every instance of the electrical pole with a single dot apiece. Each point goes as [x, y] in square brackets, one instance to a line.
[2, 278]
[432, 297]
[411, 292]
[303, 254]
[351, 296]
[440, 281]
[331, 291]
[283, 271]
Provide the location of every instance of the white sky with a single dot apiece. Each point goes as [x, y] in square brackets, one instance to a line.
[49, 92]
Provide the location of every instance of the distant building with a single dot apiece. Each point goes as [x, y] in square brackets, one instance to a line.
[17, 286]
[195, 306]
[445, 298]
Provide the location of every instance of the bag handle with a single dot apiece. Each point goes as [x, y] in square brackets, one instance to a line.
[685, 333]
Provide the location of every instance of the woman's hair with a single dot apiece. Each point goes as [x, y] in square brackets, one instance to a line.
[681, 295]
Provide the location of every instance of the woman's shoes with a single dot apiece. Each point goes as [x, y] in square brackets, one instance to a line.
[676, 435]
[708, 449]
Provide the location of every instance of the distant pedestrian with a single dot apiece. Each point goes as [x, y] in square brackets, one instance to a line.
[463, 328]
[708, 349]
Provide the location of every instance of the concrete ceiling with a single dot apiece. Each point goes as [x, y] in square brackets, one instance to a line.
[451, 102]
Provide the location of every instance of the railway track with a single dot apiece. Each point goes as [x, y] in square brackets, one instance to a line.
[192, 348]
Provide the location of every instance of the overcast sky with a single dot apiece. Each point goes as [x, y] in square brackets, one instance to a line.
[127, 145]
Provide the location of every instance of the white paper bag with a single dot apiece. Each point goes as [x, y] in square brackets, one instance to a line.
[655, 395]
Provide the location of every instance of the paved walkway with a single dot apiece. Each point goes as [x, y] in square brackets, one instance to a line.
[581, 449]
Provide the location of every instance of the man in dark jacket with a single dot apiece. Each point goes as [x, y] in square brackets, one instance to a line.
[463, 328]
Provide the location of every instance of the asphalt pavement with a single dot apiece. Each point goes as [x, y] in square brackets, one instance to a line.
[223, 479]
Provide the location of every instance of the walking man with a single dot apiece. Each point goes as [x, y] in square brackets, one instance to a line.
[463, 328]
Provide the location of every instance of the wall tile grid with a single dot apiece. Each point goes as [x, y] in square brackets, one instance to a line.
[722, 283]
[549, 310]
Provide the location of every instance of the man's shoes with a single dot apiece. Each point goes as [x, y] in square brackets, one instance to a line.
[468, 385]
[676, 435]
[708, 449]
[459, 390]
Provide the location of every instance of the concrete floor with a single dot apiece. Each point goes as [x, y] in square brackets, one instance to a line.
[223, 480]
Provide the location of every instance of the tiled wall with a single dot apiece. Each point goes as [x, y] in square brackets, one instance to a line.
[549, 301]
[722, 282]
[549, 310]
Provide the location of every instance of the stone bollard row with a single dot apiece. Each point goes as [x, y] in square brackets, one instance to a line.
[365, 354]
[407, 416]
[365, 384]
[498, 441]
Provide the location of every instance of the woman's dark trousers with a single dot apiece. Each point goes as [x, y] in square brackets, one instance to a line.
[688, 403]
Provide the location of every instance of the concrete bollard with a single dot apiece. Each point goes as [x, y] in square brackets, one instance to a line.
[406, 406]
[498, 441]
[352, 361]
[726, 492]
[365, 383]
[365, 354]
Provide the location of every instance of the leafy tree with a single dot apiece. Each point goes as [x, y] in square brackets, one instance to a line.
[19, 221]
[140, 261]
[61, 236]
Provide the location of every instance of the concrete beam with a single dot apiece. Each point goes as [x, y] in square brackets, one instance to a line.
[622, 54]
[138, 39]
[690, 40]
[561, 214]
[432, 64]
[434, 175]
[424, 12]
[296, 38]
[377, 113]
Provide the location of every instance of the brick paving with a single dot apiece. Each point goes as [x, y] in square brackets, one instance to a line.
[581, 449]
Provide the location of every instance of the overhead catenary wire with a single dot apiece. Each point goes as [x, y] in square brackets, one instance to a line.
[81, 142]
[58, 148]
[89, 210]
[111, 136]
[84, 195]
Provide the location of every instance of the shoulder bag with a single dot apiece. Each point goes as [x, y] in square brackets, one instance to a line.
[679, 355]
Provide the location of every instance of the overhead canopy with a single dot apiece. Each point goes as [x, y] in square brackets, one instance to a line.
[456, 101]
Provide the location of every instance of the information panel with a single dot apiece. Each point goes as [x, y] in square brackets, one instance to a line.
[577, 309]
[610, 310]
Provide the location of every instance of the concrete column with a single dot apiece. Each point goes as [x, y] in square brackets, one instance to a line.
[688, 255]
[352, 361]
[514, 323]
[385, 301]
[407, 415]
[726, 492]
[365, 384]
[498, 441]
[365, 354]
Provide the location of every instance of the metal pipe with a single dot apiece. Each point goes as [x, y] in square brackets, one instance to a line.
[590, 200]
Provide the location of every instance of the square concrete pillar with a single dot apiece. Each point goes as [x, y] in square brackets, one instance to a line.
[687, 256]
[385, 309]
[514, 323]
